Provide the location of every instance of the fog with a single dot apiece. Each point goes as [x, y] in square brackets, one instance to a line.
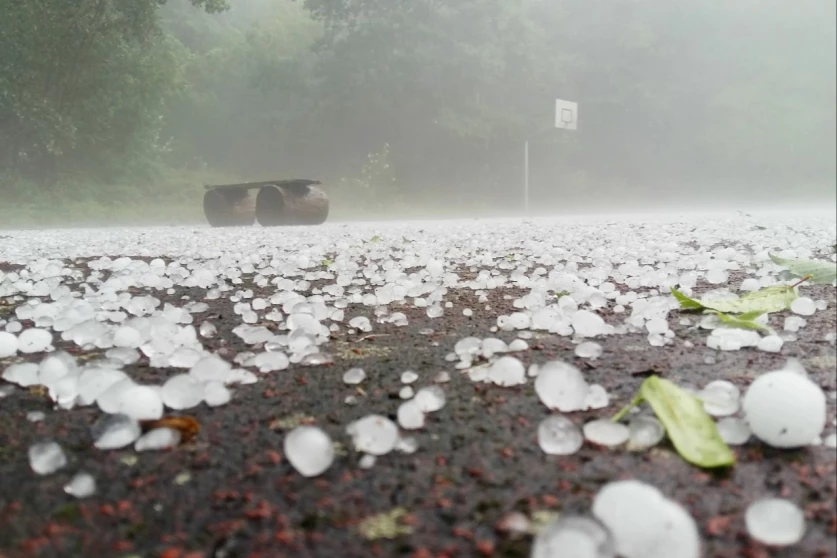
[117, 112]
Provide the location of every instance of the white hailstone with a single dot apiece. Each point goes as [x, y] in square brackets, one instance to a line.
[110, 399]
[373, 434]
[770, 344]
[558, 435]
[46, 458]
[435, 311]
[561, 386]
[794, 323]
[207, 330]
[750, 284]
[588, 349]
[406, 445]
[830, 441]
[467, 312]
[720, 398]
[24, 374]
[518, 345]
[507, 371]
[519, 320]
[241, 376]
[315, 359]
[95, 381]
[211, 369]
[442, 377]
[125, 356]
[270, 361]
[775, 522]
[216, 394]
[34, 340]
[406, 392]
[410, 415]
[573, 537]
[408, 377]
[354, 376]
[785, 409]
[645, 432]
[605, 432]
[128, 337]
[644, 523]
[430, 399]
[367, 461]
[467, 346]
[588, 324]
[533, 370]
[8, 344]
[158, 439]
[734, 431]
[716, 276]
[115, 431]
[182, 391]
[491, 346]
[309, 450]
[597, 397]
[657, 326]
[140, 403]
[35, 416]
[803, 306]
[361, 323]
[82, 485]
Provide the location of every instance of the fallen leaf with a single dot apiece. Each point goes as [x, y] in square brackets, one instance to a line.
[690, 429]
[768, 299]
[818, 272]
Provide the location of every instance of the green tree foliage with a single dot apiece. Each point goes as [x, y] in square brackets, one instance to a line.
[81, 83]
[671, 93]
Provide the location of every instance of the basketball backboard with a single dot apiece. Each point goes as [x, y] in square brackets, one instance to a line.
[566, 114]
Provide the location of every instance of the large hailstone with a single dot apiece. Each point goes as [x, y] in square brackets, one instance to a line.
[309, 450]
[562, 386]
[644, 523]
[785, 409]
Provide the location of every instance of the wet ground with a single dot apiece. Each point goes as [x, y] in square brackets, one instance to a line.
[231, 493]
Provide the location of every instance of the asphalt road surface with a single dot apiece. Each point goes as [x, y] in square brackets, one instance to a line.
[473, 481]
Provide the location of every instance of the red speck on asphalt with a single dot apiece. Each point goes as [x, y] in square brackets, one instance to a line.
[507, 452]
[549, 500]
[717, 525]
[274, 456]
[441, 461]
[263, 510]
[486, 548]
[463, 533]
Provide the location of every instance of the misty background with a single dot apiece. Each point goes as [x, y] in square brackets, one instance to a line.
[120, 110]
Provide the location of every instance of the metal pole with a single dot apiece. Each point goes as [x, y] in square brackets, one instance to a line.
[526, 176]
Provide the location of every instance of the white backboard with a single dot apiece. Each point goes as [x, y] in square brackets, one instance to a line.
[566, 114]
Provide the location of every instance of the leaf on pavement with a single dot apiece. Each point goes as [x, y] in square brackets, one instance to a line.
[818, 272]
[768, 299]
[690, 429]
[744, 321]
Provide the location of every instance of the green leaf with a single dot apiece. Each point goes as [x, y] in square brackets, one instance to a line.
[690, 429]
[819, 272]
[375, 239]
[562, 293]
[744, 321]
[768, 299]
[326, 262]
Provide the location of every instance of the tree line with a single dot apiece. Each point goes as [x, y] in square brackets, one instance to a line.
[418, 99]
